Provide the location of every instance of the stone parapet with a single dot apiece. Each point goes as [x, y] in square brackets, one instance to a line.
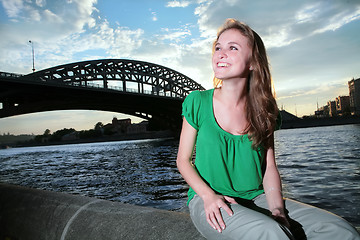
[27, 213]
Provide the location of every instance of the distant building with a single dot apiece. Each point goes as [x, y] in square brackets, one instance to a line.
[332, 108]
[354, 96]
[137, 127]
[342, 105]
[120, 126]
[124, 126]
[322, 112]
[286, 116]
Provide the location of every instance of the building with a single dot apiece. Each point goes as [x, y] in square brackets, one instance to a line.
[354, 96]
[342, 105]
[124, 126]
[120, 126]
[332, 108]
[322, 112]
[286, 116]
[136, 128]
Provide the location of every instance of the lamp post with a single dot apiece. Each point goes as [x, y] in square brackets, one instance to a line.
[33, 58]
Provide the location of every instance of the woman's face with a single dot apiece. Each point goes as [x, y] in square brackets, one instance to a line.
[231, 58]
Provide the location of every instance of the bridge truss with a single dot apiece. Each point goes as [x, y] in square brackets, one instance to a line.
[122, 75]
[136, 88]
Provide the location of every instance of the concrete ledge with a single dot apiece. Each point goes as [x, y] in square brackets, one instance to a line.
[36, 214]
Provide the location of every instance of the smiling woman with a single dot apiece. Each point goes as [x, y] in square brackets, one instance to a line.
[235, 187]
[227, 62]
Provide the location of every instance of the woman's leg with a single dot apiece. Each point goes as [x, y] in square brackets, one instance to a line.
[320, 224]
[308, 222]
[245, 223]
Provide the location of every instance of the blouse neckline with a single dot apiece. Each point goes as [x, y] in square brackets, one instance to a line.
[220, 129]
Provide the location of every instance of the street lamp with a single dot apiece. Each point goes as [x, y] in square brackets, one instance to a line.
[33, 58]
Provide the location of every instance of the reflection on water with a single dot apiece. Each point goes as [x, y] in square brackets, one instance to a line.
[139, 172]
[320, 166]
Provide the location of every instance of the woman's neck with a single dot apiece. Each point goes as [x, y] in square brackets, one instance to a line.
[233, 92]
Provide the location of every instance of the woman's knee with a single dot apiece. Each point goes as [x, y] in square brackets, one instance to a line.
[243, 224]
[319, 224]
[266, 229]
[253, 225]
[332, 230]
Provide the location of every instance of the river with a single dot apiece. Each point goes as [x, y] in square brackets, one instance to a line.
[319, 166]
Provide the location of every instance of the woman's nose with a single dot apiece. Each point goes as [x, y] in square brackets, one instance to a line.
[222, 54]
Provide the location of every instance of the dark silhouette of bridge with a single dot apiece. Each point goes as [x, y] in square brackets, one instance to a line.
[137, 88]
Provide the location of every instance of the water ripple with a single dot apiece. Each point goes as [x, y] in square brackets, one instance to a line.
[319, 166]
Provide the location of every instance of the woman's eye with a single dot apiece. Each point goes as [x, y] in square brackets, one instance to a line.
[217, 48]
[233, 48]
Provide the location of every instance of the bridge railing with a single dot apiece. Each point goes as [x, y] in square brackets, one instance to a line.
[121, 89]
[92, 85]
[130, 76]
[10, 75]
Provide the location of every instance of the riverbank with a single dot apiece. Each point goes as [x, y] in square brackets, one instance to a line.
[288, 122]
[37, 214]
[318, 166]
[319, 122]
[28, 213]
[123, 137]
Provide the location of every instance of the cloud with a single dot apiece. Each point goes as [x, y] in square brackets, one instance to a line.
[12, 7]
[175, 3]
[40, 3]
[56, 46]
[174, 35]
[68, 17]
[154, 16]
[306, 98]
[296, 38]
[58, 30]
[318, 90]
[298, 20]
[56, 120]
[305, 41]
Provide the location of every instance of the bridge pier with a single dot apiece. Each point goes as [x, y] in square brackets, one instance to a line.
[37, 214]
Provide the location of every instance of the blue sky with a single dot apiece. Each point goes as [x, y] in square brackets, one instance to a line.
[313, 45]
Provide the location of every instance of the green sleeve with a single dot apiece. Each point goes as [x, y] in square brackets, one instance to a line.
[191, 109]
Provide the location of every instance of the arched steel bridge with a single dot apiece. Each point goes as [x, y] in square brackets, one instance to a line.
[142, 89]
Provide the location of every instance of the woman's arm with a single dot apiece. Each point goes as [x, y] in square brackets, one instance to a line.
[272, 187]
[212, 201]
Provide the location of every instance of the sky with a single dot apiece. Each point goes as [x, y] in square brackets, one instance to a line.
[312, 45]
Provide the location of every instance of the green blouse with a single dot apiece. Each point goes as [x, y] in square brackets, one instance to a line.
[226, 162]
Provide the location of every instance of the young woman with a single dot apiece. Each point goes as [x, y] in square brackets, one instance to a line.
[235, 188]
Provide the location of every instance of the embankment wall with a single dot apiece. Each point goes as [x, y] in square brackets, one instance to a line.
[27, 213]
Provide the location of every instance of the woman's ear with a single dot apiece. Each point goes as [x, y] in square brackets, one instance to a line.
[251, 68]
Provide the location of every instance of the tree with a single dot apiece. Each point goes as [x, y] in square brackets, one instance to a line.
[99, 126]
[56, 136]
[47, 132]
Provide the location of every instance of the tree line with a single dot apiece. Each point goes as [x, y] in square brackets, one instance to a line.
[58, 135]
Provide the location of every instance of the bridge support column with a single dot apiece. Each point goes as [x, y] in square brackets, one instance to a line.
[36, 214]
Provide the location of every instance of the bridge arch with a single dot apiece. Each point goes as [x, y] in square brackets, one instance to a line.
[137, 88]
[121, 74]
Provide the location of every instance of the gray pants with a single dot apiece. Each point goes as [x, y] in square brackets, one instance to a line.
[251, 220]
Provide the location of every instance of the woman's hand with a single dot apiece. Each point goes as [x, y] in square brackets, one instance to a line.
[279, 215]
[212, 204]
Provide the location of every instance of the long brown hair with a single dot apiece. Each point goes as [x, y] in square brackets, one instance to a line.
[261, 108]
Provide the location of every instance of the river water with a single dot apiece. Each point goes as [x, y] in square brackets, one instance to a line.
[319, 166]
